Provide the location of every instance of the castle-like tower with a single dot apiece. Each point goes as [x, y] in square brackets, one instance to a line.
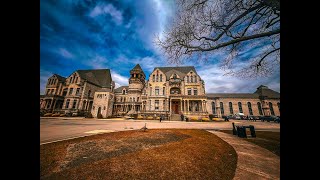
[136, 80]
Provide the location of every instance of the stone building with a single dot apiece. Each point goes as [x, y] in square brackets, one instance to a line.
[169, 91]
[75, 94]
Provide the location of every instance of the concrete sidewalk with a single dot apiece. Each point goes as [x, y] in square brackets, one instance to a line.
[254, 162]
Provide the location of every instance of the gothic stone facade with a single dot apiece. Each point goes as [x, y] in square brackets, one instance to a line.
[170, 91]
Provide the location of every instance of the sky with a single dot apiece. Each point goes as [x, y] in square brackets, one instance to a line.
[117, 35]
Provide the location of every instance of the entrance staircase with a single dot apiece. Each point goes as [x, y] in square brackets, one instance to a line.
[175, 117]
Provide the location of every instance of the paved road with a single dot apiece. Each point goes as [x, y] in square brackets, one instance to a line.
[55, 129]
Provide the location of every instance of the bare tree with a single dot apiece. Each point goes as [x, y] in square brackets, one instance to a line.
[244, 30]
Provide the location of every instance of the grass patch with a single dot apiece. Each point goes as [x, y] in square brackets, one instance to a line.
[265, 139]
[154, 154]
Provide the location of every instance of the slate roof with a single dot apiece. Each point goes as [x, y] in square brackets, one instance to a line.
[180, 71]
[137, 67]
[119, 89]
[60, 78]
[265, 91]
[232, 95]
[100, 77]
[261, 91]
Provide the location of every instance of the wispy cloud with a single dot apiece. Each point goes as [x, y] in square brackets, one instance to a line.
[65, 53]
[109, 9]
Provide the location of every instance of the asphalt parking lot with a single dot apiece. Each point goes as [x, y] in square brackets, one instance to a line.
[61, 128]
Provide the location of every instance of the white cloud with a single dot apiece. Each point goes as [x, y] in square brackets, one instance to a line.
[107, 9]
[217, 82]
[65, 53]
[98, 62]
[119, 79]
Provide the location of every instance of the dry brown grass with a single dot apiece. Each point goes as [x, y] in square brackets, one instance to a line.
[265, 139]
[154, 154]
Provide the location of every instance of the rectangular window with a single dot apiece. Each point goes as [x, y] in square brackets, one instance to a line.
[74, 104]
[78, 91]
[153, 78]
[189, 91]
[195, 79]
[150, 91]
[221, 108]
[67, 103]
[187, 79]
[195, 91]
[70, 91]
[160, 77]
[163, 91]
[156, 104]
[157, 79]
[157, 91]
[191, 78]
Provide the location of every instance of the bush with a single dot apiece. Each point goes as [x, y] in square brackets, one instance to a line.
[56, 115]
[149, 117]
[194, 118]
[99, 116]
[205, 119]
[140, 117]
[62, 115]
[48, 115]
[88, 115]
[211, 116]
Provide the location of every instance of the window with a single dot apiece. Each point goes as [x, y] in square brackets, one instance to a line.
[250, 108]
[48, 91]
[67, 103]
[157, 91]
[65, 91]
[195, 79]
[187, 78]
[191, 78]
[74, 104]
[189, 91]
[124, 91]
[130, 99]
[104, 107]
[230, 108]
[133, 99]
[259, 108]
[153, 78]
[163, 91]
[175, 91]
[221, 107]
[156, 104]
[76, 79]
[196, 106]
[137, 99]
[157, 78]
[150, 91]
[195, 91]
[160, 77]
[174, 76]
[78, 91]
[70, 91]
[213, 108]
[271, 108]
[124, 99]
[89, 93]
[240, 107]
[278, 104]
[164, 104]
[150, 105]
[70, 80]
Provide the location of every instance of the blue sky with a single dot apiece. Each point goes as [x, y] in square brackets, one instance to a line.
[87, 34]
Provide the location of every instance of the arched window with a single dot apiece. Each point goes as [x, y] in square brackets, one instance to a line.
[137, 99]
[250, 108]
[153, 78]
[240, 107]
[160, 77]
[191, 78]
[70, 80]
[278, 104]
[221, 107]
[230, 108]
[163, 91]
[157, 78]
[187, 78]
[124, 91]
[271, 108]
[195, 79]
[260, 108]
[213, 108]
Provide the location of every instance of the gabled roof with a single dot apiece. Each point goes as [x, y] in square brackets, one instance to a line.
[180, 71]
[268, 93]
[119, 89]
[137, 67]
[60, 78]
[100, 77]
[232, 95]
